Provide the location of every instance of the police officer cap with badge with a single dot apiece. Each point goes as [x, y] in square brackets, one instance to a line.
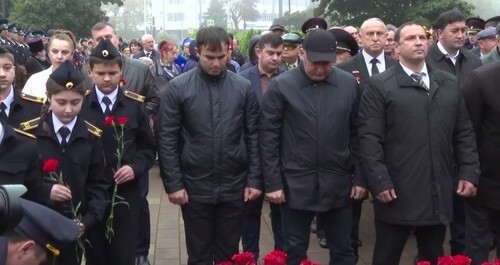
[314, 23]
[347, 46]
[475, 24]
[38, 237]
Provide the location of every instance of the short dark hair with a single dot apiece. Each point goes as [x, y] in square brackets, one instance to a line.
[211, 37]
[273, 39]
[8, 52]
[95, 60]
[397, 34]
[448, 17]
[102, 25]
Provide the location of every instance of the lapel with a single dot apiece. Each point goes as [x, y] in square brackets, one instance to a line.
[361, 67]
[255, 81]
[9, 136]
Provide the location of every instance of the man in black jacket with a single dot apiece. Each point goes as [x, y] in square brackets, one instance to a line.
[208, 150]
[448, 54]
[308, 143]
[416, 144]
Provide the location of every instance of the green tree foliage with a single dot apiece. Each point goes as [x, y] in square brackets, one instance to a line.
[216, 13]
[243, 38]
[354, 12]
[127, 19]
[294, 21]
[77, 16]
[243, 10]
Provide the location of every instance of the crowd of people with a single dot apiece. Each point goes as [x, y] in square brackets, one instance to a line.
[313, 122]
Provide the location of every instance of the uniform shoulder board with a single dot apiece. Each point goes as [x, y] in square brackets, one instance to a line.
[32, 98]
[25, 133]
[93, 129]
[134, 96]
[31, 124]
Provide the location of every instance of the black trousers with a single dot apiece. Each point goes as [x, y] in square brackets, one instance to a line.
[144, 235]
[457, 226]
[122, 249]
[480, 221]
[391, 239]
[212, 231]
[337, 225]
[251, 226]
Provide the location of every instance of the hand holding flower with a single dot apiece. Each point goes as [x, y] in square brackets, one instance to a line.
[60, 193]
[124, 174]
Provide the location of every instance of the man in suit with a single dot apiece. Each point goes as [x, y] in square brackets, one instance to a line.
[269, 52]
[413, 183]
[371, 60]
[449, 55]
[483, 212]
[373, 36]
[290, 57]
[148, 49]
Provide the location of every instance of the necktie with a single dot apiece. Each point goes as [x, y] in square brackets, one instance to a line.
[417, 77]
[3, 114]
[64, 132]
[107, 102]
[374, 62]
[148, 54]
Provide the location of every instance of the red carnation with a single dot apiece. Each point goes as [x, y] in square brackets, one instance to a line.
[461, 260]
[423, 263]
[308, 262]
[109, 120]
[245, 258]
[50, 165]
[275, 257]
[121, 120]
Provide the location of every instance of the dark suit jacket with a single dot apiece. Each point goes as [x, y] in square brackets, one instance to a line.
[23, 108]
[155, 55]
[466, 63]
[357, 63]
[481, 97]
[252, 75]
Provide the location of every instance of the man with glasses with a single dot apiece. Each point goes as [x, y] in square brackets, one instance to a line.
[290, 57]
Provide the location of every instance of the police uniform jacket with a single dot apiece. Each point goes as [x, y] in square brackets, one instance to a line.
[208, 136]
[139, 148]
[308, 139]
[418, 143]
[19, 164]
[81, 164]
[23, 108]
[481, 96]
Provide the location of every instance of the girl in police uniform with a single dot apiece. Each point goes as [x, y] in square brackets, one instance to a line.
[77, 146]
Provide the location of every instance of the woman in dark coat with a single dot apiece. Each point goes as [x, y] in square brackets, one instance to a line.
[165, 69]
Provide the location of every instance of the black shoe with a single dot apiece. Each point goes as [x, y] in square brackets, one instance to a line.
[142, 260]
[323, 243]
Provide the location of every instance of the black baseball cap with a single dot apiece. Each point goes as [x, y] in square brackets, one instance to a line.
[320, 46]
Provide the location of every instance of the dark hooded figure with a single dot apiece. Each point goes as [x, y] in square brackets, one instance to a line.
[193, 57]
[252, 56]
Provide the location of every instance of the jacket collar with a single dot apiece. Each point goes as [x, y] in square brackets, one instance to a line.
[211, 78]
[330, 79]
[46, 129]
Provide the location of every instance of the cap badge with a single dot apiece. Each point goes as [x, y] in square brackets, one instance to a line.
[105, 53]
[69, 85]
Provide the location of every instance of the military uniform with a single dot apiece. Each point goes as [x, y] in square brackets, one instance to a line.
[139, 155]
[19, 162]
[51, 232]
[23, 108]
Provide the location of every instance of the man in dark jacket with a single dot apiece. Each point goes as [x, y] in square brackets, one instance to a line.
[208, 150]
[269, 51]
[414, 129]
[308, 143]
[448, 54]
[482, 212]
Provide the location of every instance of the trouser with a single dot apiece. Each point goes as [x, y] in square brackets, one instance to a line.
[480, 221]
[337, 226]
[457, 226]
[356, 215]
[121, 249]
[251, 226]
[144, 235]
[391, 239]
[212, 231]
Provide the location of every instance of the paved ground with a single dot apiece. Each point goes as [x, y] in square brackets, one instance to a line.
[168, 242]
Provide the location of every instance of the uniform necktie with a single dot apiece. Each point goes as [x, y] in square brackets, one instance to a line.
[3, 113]
[417, 77]
[374, 62]
[107, 102]
[148, 54]
[64, 132]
